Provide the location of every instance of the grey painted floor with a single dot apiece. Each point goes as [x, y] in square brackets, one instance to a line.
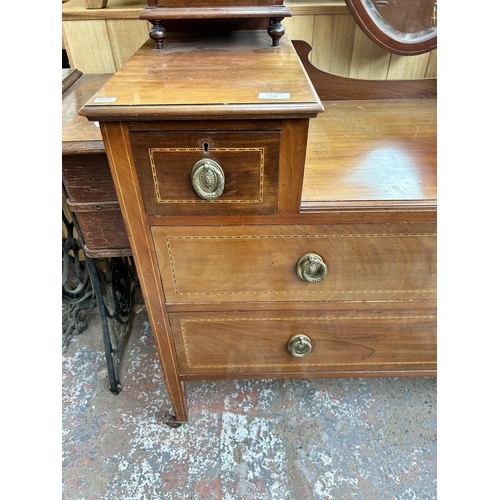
[268, 439]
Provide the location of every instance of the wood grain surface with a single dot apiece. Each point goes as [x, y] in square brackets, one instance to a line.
[102, 229]
[362, 153]
[212, 3]
[75, 10]
[119, 153]
[78, 133]
[203, 264]
[330, 86]
[352, 340]
[328, 26]
[236, 75]
[87, 179]
[249, 161]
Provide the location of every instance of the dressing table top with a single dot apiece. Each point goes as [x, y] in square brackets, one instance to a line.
[384, 156]
[78, 134]
[235, 75]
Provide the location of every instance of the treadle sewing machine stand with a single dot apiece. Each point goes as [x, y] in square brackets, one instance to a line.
[111, 290]
[275, 235]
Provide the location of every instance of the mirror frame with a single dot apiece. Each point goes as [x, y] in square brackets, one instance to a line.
[383, 38]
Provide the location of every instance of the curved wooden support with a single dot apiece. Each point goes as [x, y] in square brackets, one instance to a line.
[332, 87]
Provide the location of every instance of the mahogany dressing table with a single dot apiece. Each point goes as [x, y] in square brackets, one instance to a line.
[282, 221]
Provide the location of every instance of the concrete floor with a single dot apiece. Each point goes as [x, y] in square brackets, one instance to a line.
[269, 439]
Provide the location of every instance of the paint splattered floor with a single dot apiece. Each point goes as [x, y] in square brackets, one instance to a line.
[268, 439]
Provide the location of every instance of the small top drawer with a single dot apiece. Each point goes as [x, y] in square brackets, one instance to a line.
[202, 173]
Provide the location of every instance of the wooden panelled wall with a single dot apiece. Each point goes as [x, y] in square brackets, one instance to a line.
[341, 47]
[102, 40]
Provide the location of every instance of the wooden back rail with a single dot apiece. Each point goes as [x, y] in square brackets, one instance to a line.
[385, 153]
[332, 87]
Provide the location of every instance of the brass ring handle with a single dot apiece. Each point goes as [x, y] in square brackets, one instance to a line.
[207, 178]
[311, 268]
[299, 346]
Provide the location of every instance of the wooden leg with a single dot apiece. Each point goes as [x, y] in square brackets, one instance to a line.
[120, 157]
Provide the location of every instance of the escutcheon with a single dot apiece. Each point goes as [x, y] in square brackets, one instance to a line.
[208, 179]
[311, 268]
[299, 346]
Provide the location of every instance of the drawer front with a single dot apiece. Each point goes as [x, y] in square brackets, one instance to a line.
[342, 342]
[87, 178]
[258, 263]
[243, 164]
[103, 229]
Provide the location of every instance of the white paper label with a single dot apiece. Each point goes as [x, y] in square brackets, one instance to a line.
[274, 95]
[105, 99]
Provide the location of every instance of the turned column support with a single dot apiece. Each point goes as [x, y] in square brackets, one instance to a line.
[276, 30]
[158, 33]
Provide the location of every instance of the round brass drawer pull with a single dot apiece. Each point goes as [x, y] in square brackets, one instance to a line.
[311, 268]
[299, 346]
[207, 178]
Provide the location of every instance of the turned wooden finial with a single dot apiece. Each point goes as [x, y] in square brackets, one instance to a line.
[276, 30]
[158, 33]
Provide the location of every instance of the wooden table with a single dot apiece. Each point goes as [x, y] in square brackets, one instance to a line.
[94, 214]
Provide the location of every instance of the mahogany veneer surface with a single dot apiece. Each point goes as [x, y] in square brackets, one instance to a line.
[249, 159]
[211, 3]
[215, 76]
[369, 153]
[205, 264]
[356, 340]
[78, 133]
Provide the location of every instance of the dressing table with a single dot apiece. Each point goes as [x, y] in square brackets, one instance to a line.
[282, 219]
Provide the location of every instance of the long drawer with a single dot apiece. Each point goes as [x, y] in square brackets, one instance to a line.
[207, 264]
[348, 341]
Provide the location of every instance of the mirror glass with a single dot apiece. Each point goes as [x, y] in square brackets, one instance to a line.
[400, 26]
[406, 20]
